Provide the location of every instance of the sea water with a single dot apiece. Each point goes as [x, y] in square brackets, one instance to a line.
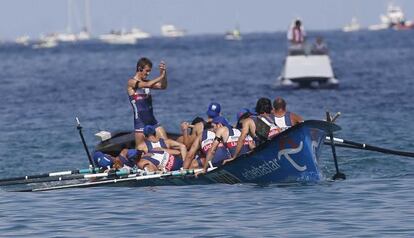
[43, 90]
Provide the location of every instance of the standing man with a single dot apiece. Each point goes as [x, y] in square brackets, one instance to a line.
[141, 100]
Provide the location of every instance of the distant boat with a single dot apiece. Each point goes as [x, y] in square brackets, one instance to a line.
[139, 34]
[46, 42]
[394, 19]
[308, 69]
[119, 38]
[171, 31]
[353, 26]
[233, 35]
[22, 40]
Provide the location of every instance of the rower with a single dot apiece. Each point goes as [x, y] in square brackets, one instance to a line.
[283, 118]
[160, 154]
[127, 158]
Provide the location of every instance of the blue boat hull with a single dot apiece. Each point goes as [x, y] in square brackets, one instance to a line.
[292, 156]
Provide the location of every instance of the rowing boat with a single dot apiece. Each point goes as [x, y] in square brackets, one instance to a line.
[291, 156]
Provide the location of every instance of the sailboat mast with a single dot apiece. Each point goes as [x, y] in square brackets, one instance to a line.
[87, 17]
[69, 16]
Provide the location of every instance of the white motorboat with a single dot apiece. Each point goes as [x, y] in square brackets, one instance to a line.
[171, 31]
[139, 34]
[233, 35]
[353, 26]
[45, 42]
[118, 38]
[393, 19]
[22, 40]
[311, 70]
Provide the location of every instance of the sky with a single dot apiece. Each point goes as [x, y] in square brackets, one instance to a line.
[35, 17]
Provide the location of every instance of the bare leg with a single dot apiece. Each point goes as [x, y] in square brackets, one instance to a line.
[139, 138]
[160, 132]
[145, 164]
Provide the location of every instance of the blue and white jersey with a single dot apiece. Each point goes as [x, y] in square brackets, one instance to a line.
[284, 122]
[164, 161]
[231, 143]
[141, 102]
[222, 153]
[151, 145]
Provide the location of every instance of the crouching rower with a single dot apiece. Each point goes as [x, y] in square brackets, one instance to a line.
[160, 154]
[127, 158]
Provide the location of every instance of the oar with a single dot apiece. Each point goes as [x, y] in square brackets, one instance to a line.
[79, 127]
[362, 146]
[131, 177]
[46, 175]
[338, 174]
[61, 177]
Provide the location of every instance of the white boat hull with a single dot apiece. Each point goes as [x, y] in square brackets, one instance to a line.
[308, 71]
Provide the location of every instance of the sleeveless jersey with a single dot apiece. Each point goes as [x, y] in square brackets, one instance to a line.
[231, 142]
[141, 102]
[274, 129]
[283, 122]
[222, 152]
[151, 145]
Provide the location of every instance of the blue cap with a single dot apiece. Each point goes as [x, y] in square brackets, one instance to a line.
[213, 110]
[102, 160]
[220, 120]
[149, 130]
[242, 112]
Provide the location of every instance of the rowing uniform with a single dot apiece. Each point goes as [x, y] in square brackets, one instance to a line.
[159, 144]
[141, 102]
[162, 159]
[131, 158]
[283, 122]
[274, 129]
[231, 143]
[222, 153]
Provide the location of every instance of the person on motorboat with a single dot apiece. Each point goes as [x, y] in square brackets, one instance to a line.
[283, 118]
[197, 125]
[138, 89]
[296, 36]
[127, 158]
[160, 154]
[260, 127]
[319, 47]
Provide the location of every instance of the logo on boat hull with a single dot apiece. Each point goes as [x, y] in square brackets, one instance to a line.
[291, 151]
[268, 167]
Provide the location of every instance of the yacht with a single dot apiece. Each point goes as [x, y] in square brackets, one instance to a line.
[353, 26]
[233, 35]
[119, 38]
[22, 40]
[171, 31]
[139, 34]
[393, 19]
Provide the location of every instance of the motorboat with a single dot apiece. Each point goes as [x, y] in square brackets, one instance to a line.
[139, 34]
[171, 31]
[233, 35]
[309, 68]
[393, 19]
[118, 38]
[353, 26]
